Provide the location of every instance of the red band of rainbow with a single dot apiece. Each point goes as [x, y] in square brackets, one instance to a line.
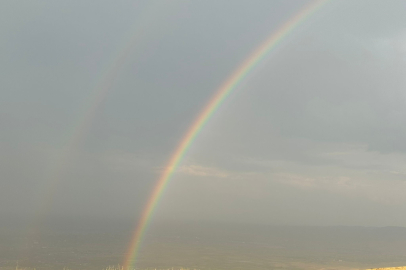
[222, 93]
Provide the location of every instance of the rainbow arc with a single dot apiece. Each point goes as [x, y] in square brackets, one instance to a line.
[215, 102]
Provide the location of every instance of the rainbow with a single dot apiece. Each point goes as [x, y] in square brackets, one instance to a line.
[77, 132]
[218, 98]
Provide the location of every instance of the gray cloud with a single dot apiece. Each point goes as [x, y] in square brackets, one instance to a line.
[314, 136]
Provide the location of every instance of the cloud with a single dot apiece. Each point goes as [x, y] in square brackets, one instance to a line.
[199, 170]
[346, 169]
[350, 170]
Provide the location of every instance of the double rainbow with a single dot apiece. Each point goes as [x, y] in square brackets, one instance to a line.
[222, 93]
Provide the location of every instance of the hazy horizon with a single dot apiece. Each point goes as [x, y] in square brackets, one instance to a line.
[95, 244]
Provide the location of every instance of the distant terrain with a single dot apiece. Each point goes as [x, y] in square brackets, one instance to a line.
[98, 244]
[390, 268]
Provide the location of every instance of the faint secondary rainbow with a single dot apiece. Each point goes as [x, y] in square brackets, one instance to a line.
[78, 131]
[218, 98]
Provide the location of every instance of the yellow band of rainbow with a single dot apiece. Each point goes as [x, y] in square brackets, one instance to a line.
[218, 98]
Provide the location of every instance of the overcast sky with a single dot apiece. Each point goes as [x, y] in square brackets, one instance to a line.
[316, 135]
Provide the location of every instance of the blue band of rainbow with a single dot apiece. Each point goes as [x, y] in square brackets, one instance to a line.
[218, 98]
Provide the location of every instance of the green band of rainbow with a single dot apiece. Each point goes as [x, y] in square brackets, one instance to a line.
[222, 93]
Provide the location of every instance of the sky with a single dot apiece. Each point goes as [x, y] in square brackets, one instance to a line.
[95, 99]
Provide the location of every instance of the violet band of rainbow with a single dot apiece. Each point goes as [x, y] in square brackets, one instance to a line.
[218, 98]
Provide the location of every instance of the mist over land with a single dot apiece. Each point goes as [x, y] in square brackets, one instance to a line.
[302, 167]
[95, 244]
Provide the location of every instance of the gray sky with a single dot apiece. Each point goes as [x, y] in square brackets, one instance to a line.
[316, 135]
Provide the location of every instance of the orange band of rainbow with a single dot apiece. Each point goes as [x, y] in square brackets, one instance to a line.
[222, 93]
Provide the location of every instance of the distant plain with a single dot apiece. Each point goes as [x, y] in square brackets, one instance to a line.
[97, 244]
